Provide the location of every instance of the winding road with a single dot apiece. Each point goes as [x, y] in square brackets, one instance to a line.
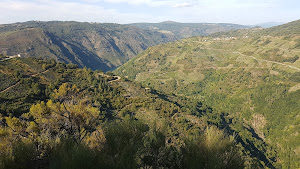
[118, 78]
[107, 76]
[10, 87]
[34, 75]
[263, 60]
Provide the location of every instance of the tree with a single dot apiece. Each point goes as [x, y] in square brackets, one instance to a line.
[70, 113]
[213, 150]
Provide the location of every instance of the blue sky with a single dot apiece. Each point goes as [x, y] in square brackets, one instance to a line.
[131, 11]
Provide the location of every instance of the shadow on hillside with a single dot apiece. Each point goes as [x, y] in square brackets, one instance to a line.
[247, 144]
[78, 55]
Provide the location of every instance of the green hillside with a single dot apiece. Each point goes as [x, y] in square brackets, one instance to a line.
[97, 46]
[228, 100]
[185, 30]
[55, 115]
[289, 29]
[253, 75]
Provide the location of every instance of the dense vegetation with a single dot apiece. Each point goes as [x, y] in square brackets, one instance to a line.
[251, 75]
[185, 30]
[94, 45]
[230, 100]
[55, 115]
[285, 30]
[102, 46]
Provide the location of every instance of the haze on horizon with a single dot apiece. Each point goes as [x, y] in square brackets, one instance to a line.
[246, 12]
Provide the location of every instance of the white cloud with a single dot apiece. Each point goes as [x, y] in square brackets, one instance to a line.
[231, 4]
[134, 2]
[182, 5]
[129, 11]
[45, 10]
[151, 3]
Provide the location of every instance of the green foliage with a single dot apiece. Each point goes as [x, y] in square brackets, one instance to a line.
[22, 156]
[291, 28]
[292, 59]
[66, 41]
[249, 78]
[123, 140]
[69, 155]
[72, 66]
[295, 77]
[88, 120]
[217, 151]
[185, 30]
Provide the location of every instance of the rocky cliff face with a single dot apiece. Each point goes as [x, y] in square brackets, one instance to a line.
[96, 46]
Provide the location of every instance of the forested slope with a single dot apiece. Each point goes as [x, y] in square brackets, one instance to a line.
[97, 46]
[186, 30]
[55, 115]
[253, 75]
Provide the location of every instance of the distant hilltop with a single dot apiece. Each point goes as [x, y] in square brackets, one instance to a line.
[185, 30]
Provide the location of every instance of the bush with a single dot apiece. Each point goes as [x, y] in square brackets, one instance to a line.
[22, 156]
[72, 66]
[70, 155]
[295, 77]
[292, 59]
[214, 150]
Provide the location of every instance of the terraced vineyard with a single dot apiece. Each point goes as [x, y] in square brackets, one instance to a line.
[253, 75]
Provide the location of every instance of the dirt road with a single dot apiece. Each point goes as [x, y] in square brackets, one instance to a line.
[263, 60]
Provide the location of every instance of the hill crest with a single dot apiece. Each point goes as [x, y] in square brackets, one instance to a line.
[97, 46]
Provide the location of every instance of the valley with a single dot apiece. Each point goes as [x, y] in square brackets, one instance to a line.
[251, 76]
[97, 46]
[83, 112]
[179, 95]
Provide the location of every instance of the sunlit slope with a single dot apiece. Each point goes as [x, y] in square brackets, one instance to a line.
[254, 78]
[43, 103]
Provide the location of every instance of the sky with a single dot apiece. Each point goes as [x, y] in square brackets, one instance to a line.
[246, 12]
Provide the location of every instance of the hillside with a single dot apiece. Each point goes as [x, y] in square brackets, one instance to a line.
[289, 29]
[268, 24]
[185, 30]
[55, 115]
[97, 46]
[285, 30]
[254, 77]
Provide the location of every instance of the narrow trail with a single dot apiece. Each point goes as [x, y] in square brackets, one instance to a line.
[107, 76]
[10, 57]
[34, 75]
[10, 87]
[263, 60]
[118, 78]
[4, 59]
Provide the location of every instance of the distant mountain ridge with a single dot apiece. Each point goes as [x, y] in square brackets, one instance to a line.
[185, 30]
[103, 46]
[288, 29]
[269, 24]
[95, 45]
